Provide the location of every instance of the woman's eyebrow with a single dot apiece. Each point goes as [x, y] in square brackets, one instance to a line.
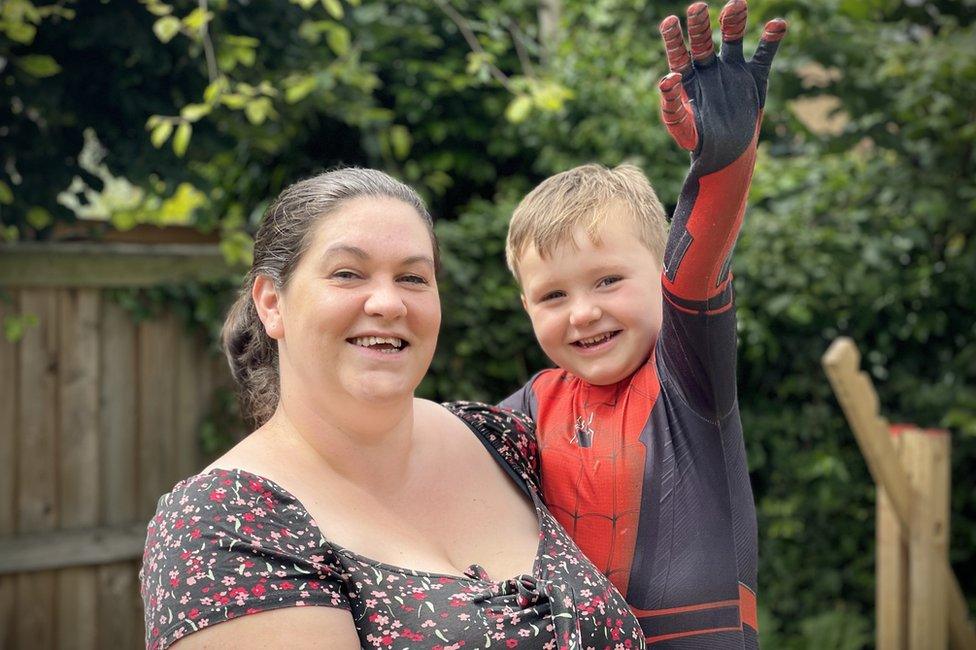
[356, 251]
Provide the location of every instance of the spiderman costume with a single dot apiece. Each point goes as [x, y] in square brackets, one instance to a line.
[649, 474]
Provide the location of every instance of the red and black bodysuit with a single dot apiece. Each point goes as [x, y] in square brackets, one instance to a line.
[649, 475]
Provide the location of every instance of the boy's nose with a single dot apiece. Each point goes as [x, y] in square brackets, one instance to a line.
[584, 313]
[385, 301]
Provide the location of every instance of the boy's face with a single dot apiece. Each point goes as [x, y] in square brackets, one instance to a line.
[595, 308]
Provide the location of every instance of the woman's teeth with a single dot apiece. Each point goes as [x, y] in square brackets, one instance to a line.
[389, 344]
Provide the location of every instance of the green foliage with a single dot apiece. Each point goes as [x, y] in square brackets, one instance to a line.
[183, 114]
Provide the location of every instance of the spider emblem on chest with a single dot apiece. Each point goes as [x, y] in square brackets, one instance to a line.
[583, 431]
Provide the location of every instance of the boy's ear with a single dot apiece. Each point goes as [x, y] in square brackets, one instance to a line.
[525, 303]
[268, 305]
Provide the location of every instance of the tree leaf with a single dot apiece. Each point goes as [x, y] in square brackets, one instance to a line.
[38, 218]
[518, 109]
[338, 40]
[39, 65]
[334, 7]
[166, 28]
[182, 138]
[197, 18]
[6, 195]
[160, 133]
[299, 88]
[193, 112]
[400, 141]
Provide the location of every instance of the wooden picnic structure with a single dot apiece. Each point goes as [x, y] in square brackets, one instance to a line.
[919, 603]
[99, 415]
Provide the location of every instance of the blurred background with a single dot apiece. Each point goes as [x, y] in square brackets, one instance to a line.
[141, 141]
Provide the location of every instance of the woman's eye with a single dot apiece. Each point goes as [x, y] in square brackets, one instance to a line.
[612, 279]
[414, 279]
[345, 275]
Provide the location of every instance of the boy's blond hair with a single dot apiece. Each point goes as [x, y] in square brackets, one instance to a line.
[582, 197]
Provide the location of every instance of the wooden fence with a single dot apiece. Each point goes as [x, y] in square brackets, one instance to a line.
[99, 416]
[919, 603]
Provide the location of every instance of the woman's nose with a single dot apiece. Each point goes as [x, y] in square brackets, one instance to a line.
[385, 301]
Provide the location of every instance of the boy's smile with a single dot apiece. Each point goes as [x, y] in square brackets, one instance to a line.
[595, 306]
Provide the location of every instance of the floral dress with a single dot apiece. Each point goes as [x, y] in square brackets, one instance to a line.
[229, 543]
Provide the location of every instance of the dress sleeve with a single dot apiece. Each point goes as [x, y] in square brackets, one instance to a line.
[227, 544]
[509, 435]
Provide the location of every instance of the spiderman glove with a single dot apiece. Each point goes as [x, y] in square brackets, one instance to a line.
[712, 105]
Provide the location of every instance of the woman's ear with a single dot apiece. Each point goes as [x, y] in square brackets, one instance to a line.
[266, 301]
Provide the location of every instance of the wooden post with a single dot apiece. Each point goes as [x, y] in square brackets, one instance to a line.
[860, 404]
[891, 586]
[926, 458]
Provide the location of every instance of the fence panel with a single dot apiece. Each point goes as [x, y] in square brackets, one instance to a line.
[99, 415]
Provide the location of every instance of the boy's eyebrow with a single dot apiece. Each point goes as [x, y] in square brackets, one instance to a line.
[356, 251]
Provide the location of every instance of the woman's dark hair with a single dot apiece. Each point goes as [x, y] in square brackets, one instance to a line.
[282, 239]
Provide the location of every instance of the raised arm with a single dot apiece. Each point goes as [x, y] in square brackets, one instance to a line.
[712, 105]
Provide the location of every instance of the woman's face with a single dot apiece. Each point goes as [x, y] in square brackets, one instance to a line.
[360, 313]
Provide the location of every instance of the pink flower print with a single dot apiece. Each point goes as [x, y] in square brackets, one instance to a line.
[229, 580]
[194, 613]
[511, 643]
[218, 495]
[258, 590]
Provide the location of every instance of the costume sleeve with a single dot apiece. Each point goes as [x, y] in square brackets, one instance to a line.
[508, 435]
[524, 399]
[227, 544]
[697, 342]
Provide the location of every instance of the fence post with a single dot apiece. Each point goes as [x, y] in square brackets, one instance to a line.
[891, 587]
[925, 455]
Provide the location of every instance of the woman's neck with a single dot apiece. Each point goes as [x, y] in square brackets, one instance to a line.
[369, 445]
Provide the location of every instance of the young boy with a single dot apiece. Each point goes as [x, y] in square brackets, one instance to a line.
[640, 441]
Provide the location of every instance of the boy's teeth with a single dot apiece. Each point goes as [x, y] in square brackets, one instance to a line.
[594, 340]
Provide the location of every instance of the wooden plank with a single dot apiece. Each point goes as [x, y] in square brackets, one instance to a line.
[8, 464]
[72, 548]
[29, 264]
[37, 478]
[119, 608]
[121, 625]
[118, 412]
[891, 586]
[157, 411]
[191, 360]
[860, 404]
[926, 459]
[79, 480]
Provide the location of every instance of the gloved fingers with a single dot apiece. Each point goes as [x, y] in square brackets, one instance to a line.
[677, 113]
[773, 33]
[733, 22]
[674, 45]
[700, 34]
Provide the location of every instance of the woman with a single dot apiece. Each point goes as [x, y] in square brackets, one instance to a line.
[356, 514]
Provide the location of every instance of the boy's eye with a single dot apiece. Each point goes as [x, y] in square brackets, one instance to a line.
[611, 279]
[552, 295]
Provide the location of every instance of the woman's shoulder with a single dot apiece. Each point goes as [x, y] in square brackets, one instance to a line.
[225, 543]
[510, 433]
